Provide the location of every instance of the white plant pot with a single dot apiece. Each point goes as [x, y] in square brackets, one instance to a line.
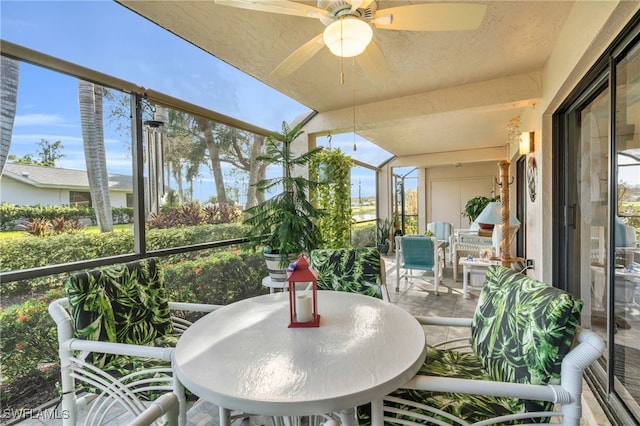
[276, 271]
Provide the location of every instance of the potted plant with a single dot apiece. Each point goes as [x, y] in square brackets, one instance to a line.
[285, 225]
[383, 227]
[332, 169]
[397, 225]
[475, 205]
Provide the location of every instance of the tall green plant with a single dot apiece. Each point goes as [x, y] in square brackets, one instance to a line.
[286, 223]
[332, 168]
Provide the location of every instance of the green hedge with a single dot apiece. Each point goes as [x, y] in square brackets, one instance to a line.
[29, 343]
[29, 251]
[363, 235]
[218, 279]
[10, 214]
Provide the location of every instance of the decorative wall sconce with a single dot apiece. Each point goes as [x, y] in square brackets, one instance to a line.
[526, 143]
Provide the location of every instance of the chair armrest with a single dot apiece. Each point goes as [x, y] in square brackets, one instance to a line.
[553, 393]
[444, 321]
[112, 348]
[193, 307]
[589, 348]
[180, 325]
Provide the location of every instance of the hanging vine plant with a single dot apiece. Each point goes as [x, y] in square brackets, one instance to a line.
[332, 168]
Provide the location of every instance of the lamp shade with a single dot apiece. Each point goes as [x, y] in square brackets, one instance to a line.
[347, 37]
[491, 215]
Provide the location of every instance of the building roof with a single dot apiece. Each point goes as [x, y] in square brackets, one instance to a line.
[54, 177]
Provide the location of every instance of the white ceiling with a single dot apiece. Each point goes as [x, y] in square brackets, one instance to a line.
[449, 91]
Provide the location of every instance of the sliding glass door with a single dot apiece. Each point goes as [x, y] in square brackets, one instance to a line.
[625, 208]
[597, 217]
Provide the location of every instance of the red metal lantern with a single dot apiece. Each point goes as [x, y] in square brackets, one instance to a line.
[303, 307]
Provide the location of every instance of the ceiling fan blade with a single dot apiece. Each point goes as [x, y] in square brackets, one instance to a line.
[284, 7]
[432, 17]
[374, 64]
[299, 57]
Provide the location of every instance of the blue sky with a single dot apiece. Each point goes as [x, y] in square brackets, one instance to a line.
[130, 50]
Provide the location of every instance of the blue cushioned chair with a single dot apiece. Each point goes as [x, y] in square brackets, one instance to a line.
[420, 253]
[443, 231]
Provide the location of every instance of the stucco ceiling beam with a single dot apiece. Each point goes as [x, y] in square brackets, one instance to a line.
[457, 158]
[513, 89]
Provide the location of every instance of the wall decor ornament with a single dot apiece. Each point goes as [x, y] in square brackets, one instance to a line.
[532, 177]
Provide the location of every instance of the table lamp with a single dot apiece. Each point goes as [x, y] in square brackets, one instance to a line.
[491, 215]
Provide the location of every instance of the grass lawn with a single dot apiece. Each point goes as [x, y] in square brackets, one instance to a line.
[6, 235]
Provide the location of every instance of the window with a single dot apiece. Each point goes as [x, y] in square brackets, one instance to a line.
[80, 198]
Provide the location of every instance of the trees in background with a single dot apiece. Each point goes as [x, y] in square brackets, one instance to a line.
[90, 103]
[9, 75]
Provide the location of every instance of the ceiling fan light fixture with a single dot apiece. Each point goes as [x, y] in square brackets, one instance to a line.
[348, 36]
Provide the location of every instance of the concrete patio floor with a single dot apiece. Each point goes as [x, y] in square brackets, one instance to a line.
[418, 298]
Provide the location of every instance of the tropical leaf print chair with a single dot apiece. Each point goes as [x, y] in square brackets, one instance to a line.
[420, 253]
[356, 270]
[524, 363]
[116, 335]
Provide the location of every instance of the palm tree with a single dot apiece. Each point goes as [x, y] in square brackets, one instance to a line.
[213, 147]
[90, 102]
[257, 172]
[9, 72]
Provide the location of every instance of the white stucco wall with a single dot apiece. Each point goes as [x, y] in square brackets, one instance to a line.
[118, 199]
[474, 171]
[21, 194]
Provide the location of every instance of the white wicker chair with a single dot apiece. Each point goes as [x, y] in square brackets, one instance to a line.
[165, 407]
[462, 250]
[83, 379]
[516, 362]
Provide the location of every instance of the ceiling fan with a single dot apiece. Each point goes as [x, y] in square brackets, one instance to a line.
[349, 32]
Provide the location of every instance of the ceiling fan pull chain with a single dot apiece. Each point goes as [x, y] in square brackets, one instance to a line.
[353, 83]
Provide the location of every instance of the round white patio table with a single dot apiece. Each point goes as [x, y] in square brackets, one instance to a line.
[245, 357]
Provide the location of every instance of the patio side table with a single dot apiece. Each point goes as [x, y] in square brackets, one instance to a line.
[468, 267]
[273, 285]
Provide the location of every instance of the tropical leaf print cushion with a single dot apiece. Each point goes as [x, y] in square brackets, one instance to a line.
[523, 328]
[124, 303]
[469, 407]
[355, 270]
